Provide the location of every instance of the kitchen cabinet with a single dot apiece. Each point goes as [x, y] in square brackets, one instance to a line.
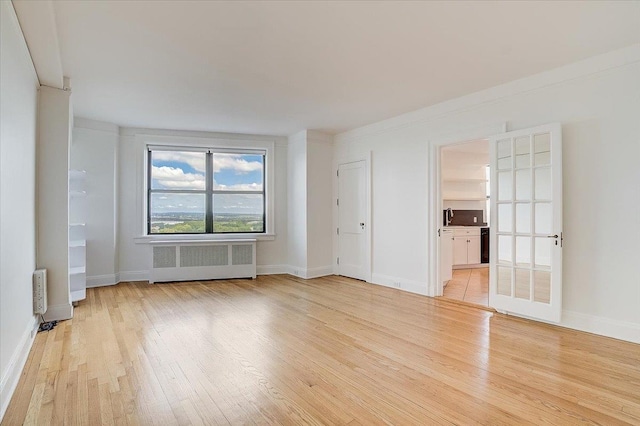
[446, 255]
[466, 246]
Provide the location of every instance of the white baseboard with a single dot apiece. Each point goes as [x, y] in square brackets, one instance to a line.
[59, 312]
[621, 330]
[321, 271]
[400, 283]
[102, 280]
[272, 269]
[11, 376]
[132, 276]
[309, 273]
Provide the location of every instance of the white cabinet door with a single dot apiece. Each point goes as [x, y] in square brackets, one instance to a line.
[473, 250]
[446, 255]
[526, 228]
[460, 250]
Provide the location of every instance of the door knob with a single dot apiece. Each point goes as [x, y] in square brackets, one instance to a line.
[362, 224]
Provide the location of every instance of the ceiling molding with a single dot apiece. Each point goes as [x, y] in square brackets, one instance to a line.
[587, 67]
[38, 23]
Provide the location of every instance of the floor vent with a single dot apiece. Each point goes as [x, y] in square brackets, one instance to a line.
[196, 260]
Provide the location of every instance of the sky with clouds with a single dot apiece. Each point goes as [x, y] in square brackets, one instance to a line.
[178, 170]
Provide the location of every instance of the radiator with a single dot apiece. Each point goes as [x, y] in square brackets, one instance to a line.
[176, 260]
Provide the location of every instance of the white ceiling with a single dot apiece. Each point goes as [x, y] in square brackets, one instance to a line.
[280, 67]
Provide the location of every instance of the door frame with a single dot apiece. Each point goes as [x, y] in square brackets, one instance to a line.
[434, 287]
[366, 157]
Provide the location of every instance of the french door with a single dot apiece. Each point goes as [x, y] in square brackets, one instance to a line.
[526, 223]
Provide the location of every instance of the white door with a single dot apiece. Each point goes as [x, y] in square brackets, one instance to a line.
[352, 212]
[526, 223]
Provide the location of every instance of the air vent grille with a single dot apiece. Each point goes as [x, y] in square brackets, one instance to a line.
[164, 257]
[204, 256]
[242, 254]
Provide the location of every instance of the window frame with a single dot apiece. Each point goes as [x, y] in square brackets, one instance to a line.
[222, 145]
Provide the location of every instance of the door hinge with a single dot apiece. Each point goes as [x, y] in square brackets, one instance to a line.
[561, 239]
[337, 173]
[338, 260]
[338, 231]
[338, 202]
[438, 232]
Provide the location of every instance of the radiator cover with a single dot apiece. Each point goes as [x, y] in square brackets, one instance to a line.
[178, 260]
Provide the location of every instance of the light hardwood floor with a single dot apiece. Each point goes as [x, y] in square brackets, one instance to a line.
[469, 285]
[281, 350]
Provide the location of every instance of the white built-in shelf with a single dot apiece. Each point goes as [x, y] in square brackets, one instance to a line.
[77, 270]
[77, 235]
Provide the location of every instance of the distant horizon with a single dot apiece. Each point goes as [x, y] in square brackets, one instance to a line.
[164, 214]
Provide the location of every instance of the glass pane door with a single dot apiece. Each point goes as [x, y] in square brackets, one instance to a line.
[526, 232]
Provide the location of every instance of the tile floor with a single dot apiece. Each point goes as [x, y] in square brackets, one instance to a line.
[469, 285]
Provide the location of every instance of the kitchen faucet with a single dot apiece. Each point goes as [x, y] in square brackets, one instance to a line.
[449, 216]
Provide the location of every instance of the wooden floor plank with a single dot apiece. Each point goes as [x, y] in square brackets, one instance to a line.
[282, 350]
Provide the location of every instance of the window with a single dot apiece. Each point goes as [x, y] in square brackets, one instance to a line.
[205, 191]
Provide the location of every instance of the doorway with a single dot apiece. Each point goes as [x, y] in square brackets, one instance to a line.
[464, 240]
[526, 238]
[353, 214]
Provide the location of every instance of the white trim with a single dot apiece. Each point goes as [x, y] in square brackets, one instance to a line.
[366, 157]
[621, 330]
[399, 283]
[124, 276]
[212, 238]
[59, 312]
[80, 123]
[589, 66]
[272, 269]
[102, 280]
[435, 193]
[616, 329]
[18, 360]
[321, 271]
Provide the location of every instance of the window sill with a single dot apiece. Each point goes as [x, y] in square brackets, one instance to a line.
[149, 239]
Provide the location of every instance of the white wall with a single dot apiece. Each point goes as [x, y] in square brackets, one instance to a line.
[133, 256]
[297, 202]
[457, 164]
[94, 148]
[18, 115]
[52, 165]
[319, 203]
[597, 101]
[310, 194]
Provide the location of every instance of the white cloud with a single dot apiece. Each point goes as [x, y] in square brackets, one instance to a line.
[174, 178]
[234, 162]
[194, 159]
[238, 187]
